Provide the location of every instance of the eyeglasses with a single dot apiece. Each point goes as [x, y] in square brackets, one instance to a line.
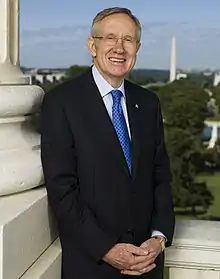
[112, 40]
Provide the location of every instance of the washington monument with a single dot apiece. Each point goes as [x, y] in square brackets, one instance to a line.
[173, 60]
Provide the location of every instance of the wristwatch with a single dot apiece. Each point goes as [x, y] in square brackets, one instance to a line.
[161, 241]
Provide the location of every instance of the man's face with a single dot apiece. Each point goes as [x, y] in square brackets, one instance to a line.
[114, 46]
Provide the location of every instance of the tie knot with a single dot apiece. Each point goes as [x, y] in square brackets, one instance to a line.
[116, 95]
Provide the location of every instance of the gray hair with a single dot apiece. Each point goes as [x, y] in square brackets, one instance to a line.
[116, 10]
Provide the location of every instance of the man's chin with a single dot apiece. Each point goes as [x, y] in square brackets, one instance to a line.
[118, 73]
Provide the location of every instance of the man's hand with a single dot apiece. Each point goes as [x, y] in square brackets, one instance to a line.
[153, 246]
[122, 256]
[145, 263]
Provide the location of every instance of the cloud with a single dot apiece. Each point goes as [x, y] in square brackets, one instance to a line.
[197, 46]
[65, 33]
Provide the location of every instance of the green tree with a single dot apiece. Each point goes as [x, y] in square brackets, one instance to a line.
[216, 95]
[184, 106]
[75, 71]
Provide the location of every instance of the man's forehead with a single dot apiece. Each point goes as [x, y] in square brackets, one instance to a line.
[113, 25]
[117, 19]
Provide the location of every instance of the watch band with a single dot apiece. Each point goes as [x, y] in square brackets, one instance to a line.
[161, 241]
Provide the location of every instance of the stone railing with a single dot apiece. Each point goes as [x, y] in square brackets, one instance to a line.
[195, 253]
[28, 239]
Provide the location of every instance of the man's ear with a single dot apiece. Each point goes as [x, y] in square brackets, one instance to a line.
[91, 46]
[138, 47]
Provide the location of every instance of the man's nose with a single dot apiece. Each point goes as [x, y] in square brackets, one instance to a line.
[119, 46]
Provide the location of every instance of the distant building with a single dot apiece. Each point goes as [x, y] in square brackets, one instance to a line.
[216, 79]
[181, 75]
[42, 76]
[211, 133]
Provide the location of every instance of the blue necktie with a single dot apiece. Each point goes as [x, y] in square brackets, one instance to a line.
[120, 126]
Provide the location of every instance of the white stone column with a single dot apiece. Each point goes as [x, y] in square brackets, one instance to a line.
[20, 165]
[195, 253]
[9, 48]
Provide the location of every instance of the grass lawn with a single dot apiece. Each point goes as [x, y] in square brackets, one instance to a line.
[213, 213]
[213, 184]
[214, 118]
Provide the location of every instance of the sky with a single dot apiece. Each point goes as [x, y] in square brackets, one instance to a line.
[54, 32]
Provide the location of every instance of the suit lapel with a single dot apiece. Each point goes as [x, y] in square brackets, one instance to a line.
[101, 123]
[133, 111]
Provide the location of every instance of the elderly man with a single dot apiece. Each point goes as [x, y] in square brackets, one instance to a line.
[105, 163]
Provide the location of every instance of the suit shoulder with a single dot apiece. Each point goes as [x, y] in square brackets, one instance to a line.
[143, 92]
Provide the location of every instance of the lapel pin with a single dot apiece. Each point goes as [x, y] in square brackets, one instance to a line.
[136, 106]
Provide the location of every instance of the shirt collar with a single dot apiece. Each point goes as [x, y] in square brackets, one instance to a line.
[103, 86]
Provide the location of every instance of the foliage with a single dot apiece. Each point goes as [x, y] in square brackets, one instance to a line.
[212, 181]
[140, 80]
[216, 94]
[75, 71]
[184, 106]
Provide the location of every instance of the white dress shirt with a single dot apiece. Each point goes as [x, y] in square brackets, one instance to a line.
[105, 88]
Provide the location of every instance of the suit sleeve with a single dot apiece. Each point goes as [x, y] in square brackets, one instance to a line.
[163, 217]
[59, 160]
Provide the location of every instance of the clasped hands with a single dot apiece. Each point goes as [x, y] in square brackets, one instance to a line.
[134, 260]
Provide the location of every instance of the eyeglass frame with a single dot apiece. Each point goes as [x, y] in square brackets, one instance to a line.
[115, 39]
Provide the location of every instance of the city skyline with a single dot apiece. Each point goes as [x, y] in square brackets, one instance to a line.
[55, 35]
